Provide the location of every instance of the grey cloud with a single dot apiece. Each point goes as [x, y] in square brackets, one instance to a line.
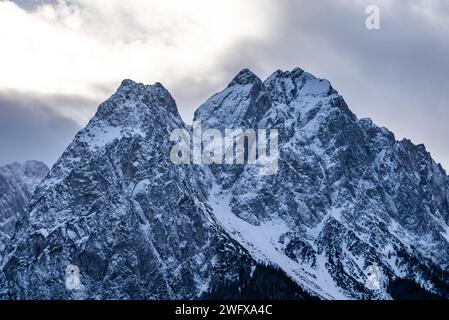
[31, 129]
[31, 5]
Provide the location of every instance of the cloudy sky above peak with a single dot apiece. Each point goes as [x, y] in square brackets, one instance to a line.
[59, 59]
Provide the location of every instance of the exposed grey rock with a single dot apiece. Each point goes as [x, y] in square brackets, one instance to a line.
[17, 184]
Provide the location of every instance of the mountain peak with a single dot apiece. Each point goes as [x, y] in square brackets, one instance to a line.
[284, 86]
[294, 73]
[130, 86]
[221, 111]
[147, 93]
[127, 83]
[245, 77]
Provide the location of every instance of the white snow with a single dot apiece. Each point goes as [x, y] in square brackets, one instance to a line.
[101, 134]
[445, 234]
[263, 243]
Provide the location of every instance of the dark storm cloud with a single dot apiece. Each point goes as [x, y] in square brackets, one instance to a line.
[30, 128]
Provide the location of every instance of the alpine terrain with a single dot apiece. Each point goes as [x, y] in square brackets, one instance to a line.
[347, 199]
[17, 184]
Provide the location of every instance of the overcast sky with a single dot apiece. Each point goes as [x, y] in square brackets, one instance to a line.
[60, 59]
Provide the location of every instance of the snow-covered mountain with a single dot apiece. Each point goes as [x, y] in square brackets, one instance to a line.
[346, 197]
[136, 225]
[17, 184]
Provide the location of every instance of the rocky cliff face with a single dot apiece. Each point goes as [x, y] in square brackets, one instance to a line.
[346, 197]
[17, 184]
